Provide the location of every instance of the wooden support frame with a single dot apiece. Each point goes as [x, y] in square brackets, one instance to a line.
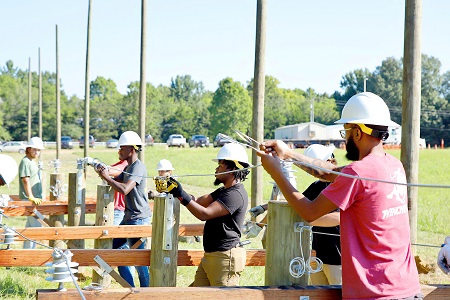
[431, 292]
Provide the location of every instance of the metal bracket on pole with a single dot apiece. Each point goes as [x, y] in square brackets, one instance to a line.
[80, 164]
[107, 269]
[169, 222]
[41, 218]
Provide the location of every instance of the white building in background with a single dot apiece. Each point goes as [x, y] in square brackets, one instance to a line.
[312, 132]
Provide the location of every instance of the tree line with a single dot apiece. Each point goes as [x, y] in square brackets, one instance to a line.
[185, 106]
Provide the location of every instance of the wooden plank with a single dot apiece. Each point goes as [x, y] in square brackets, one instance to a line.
[100, 232]
[25, 208]
[431, 292]
[114, 257]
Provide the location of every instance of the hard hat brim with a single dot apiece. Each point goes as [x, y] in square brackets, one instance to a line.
[388, 123]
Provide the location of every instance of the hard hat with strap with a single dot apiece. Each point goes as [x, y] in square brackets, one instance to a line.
[366, 108]
[8, 168]
[36, 143]
[234, 152]
[164, 165]
[319, 151]
[130, 138]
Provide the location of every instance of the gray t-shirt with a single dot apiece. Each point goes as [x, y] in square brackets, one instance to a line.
[136, 202]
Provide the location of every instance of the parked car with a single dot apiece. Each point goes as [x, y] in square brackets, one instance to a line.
[199, 141]
[66, 142]
[220, 141]
[13, 147]
[91, 141]
[148, 140]
[112, 143]
[176, 140]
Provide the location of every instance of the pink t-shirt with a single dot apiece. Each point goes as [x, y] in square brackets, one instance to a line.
[377, 261]
[119, 198]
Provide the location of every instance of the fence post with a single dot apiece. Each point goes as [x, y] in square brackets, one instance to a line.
[104, 216]
[56, 187]
[76, 205]
[164, 258]
[283, 244]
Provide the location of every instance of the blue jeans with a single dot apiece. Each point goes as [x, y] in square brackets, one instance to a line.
[123, 243]
[118, 216]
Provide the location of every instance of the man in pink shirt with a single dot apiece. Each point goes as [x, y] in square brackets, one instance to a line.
[377, 262]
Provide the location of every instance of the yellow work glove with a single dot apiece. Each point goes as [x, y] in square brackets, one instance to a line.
[36, 201]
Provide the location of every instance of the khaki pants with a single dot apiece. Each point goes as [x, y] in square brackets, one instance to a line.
[330, 275]
[220, 268]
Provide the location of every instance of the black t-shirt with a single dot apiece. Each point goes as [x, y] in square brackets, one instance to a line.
[223, 233]
[328, 247]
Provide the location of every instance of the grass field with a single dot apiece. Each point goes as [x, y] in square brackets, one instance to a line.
[195, 170]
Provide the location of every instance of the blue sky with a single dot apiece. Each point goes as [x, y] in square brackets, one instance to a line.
[308, 43]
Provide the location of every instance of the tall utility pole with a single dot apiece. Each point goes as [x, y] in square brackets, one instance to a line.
[87, 93]
[40, 93]
[29, 99]
[258, 99]
[143, 84]
[58, 101]
[411, 105]
[311, 113]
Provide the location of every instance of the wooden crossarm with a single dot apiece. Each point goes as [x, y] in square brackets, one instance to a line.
[100, 232]
[132, 257]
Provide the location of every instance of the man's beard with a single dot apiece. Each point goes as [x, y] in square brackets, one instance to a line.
[352, 150]
[217, 182]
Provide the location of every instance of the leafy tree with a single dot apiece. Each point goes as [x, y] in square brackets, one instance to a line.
[387, 82]
[230, 108]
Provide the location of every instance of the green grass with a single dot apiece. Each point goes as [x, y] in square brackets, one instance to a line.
[190, 163]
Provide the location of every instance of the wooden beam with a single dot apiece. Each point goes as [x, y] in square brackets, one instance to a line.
[25, 208]
[431, 292]
[100, 232]
[114, 257]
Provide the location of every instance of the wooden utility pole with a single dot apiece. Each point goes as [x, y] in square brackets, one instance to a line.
[411, 105]
[86, 87]
[40, 93]
[29, 99]
[58, 101]
[143, 85]
[258, 100]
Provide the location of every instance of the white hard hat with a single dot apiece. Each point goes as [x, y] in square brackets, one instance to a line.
[130, 138]
[233, 152]
[8, 168]
[318, 151]
[366, 108]
[35, 142]
[164, 165]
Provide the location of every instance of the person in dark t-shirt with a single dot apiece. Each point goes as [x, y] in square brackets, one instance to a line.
[224, 212]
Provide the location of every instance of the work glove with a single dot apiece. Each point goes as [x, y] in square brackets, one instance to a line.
[444, 256]
[251, 229]
[36, 201]
[175, 188]
[256, 211]
[160, 184]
